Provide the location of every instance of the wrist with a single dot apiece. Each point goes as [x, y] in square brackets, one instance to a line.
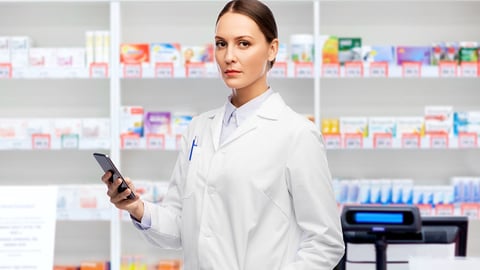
[137, 212]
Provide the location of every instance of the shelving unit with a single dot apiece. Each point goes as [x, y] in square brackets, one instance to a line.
[73, 93]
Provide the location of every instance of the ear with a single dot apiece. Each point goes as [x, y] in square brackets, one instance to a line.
[273, 50]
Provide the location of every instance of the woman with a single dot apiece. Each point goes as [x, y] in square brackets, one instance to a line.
[251, 188]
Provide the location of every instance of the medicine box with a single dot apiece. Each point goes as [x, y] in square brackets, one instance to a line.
[157, 122]
[161, 52]
[131, 120]
[349, 49]
[135, 53]
[420, 54]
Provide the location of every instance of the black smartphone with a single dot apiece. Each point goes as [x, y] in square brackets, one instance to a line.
[107, 165]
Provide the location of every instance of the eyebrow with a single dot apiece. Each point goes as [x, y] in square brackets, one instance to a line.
[239, 37]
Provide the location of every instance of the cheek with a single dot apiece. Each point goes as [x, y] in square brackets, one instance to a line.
[218, 57]
[257, 62]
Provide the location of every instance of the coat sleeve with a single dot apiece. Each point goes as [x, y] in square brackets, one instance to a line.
[166, 218]
[316, 212]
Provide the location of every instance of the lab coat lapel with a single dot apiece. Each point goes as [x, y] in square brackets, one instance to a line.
[269, 110]
[216, 126]
[249, 125]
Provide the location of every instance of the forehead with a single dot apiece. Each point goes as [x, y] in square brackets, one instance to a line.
[236, 24]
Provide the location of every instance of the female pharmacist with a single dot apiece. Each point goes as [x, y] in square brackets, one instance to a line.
[251, 188]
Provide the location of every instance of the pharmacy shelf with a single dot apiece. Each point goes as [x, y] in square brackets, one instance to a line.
[306, 70]
[409, 141]
[44, 142]
[281, 70]
[46, 73]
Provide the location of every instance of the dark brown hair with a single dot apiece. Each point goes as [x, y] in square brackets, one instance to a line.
[258, 12]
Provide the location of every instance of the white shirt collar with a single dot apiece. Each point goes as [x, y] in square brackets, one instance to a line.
[246, 110]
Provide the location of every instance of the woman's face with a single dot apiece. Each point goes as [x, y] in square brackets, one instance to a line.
[242, 52]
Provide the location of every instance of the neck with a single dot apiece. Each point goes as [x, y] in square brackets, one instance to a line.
[242, 96]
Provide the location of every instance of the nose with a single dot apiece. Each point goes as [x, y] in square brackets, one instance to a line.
[230, 55]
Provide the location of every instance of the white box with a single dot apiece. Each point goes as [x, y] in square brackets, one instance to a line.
[70, 57]
[4, 50]
[95, 128]
[131, 120]
[381, 125]
[42, 57]
[19, 48]
[356, 125]
[90, 47]
[410, 125]
[66, 126]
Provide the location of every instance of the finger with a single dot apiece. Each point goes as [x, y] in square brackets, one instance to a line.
[113, 187]
[106, 177]
[122, 198]
[130, 184]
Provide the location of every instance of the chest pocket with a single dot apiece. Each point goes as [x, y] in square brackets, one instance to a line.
[195, 165]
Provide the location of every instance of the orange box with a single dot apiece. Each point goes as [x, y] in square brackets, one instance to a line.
[65, 267]
[134, 53]
[94, 266]
[169, 265]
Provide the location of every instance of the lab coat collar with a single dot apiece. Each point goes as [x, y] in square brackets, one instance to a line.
[270, 110]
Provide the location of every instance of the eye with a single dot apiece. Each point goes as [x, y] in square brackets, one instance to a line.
[244, 44]
[220, 44]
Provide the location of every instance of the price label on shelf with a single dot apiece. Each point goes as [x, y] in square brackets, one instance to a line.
[425, 209]
[70, 141]
[331, 70]
[98, 70]
[132, 71]
[469, 69]
[279, 70]
[43, 73]
[5, 70]
[467, 140]
[304, 70]
[155, 141]
[332, 141]
[382, 140]
[130, 141]
[447, 69]
[353, 141]
[412, 69]
[438, 141]
[444, 210]
[379, 69]
[164, 70]
[353, 69]
[41, 141]
[470, 210]
[195, 70]
[410, 140]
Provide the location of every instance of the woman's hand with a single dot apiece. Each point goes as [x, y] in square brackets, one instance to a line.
[133, 206]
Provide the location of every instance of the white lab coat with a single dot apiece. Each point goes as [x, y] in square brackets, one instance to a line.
[261, 200]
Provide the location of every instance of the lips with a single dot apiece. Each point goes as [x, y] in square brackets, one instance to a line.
[231, 72]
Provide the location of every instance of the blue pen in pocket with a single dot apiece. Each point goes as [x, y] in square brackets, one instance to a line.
[194, 143]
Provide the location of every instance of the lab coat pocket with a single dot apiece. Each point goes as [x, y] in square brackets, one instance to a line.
[195, 164]
[274, 206]
[188, 225]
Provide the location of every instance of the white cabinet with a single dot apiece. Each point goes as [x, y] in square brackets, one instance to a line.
[64, 23]
[416, 23]
[57, 25]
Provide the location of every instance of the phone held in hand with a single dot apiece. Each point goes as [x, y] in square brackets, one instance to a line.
[107, 165]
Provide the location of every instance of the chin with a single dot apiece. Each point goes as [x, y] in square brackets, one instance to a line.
[231, 83]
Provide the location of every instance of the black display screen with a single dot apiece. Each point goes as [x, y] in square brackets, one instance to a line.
[380, 217]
